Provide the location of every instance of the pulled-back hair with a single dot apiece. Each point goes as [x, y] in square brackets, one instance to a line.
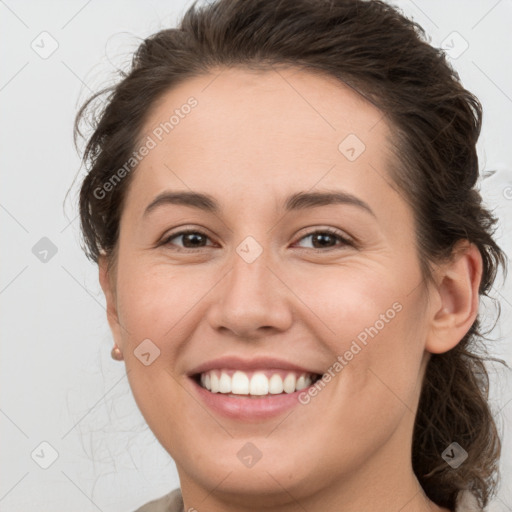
[435, 123]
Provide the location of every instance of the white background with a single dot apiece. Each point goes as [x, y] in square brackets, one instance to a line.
[58, 382]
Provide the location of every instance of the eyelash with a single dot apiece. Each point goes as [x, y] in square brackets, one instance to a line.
[329, 231]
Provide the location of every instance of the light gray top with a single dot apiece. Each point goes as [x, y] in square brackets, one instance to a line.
[173, 502]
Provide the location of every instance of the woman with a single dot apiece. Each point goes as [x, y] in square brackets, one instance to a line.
[281, 202]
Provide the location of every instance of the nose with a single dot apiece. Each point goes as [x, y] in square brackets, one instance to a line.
[252, 300]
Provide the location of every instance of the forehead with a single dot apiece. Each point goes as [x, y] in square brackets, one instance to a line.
[273, 128]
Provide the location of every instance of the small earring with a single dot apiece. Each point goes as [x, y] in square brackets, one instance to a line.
[116, 353]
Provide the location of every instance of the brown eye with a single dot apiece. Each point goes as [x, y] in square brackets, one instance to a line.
[191, 239]
[326, 239]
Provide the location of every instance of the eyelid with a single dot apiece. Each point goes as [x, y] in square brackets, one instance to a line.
[184, 231]
[343, 237]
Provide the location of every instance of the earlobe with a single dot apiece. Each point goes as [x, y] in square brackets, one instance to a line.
[457, 288]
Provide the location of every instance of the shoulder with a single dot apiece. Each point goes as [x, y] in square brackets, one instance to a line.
[467, 502]
[171, 502]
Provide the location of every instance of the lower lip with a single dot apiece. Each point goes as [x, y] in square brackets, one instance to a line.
[245, 408]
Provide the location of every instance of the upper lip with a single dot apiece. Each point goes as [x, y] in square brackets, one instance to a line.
[256, 363]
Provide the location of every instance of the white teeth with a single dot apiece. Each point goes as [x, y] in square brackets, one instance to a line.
[301, 383]
[214, 380]
[225, 383]
[240, 383]
[275, 384]
[259, 384]
[289, 383]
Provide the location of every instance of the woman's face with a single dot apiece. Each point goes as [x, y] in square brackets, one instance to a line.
[263, 285]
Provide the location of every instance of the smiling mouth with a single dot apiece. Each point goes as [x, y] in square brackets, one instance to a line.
[254, 384]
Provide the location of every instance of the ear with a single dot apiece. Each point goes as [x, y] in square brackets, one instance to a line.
[107, 285]
[456, 306]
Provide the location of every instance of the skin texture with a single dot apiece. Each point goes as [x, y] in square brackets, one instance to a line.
[253, 139]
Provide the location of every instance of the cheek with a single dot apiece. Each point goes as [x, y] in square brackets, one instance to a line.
[373, 326]
[349, 300]
[153, 300]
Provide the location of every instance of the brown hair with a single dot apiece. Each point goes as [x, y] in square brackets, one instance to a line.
[435, 122]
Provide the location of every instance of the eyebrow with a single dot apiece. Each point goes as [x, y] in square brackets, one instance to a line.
[295, 202]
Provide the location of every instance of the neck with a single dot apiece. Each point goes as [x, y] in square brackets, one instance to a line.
[411, 498]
